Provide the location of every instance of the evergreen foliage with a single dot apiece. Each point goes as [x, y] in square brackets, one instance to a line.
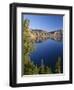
[48, 70]
[42, 70]
[58, 66]
[28, 45]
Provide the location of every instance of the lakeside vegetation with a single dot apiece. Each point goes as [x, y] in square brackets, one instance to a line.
[28, 45]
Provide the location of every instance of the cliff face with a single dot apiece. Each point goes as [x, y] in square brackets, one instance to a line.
[40, 34]
[57, 35]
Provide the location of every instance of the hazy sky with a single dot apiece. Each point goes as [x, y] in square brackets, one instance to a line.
[45, 22]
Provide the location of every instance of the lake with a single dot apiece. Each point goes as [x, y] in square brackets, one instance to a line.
[49, 50]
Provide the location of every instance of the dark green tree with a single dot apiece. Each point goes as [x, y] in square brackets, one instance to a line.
[58, 66]
[48, 70]
[35, 70]
[42, 68]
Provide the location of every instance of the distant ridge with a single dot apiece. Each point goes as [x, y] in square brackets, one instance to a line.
[39, 30]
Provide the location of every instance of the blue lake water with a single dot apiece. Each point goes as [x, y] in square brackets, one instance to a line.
[48, 50]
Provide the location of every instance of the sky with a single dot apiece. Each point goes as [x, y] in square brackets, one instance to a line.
[45, 22]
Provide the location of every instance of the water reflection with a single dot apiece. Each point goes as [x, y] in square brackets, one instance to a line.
[39, 40]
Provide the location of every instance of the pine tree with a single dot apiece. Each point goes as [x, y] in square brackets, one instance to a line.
[48, 70]
[28, 47]
[42, 70]
[58, 66]
[28, 44]
[35, 70]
